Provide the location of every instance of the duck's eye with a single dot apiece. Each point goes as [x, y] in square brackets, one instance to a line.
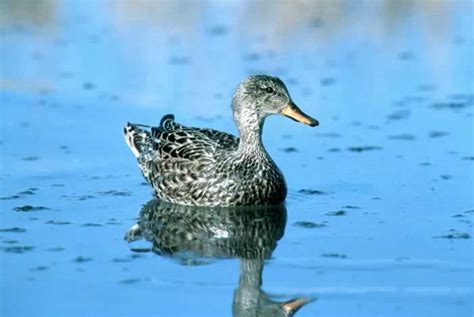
[269, 90]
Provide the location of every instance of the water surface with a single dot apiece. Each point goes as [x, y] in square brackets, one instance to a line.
[378, 220]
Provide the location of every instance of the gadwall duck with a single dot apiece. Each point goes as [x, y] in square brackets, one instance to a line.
[204, 167]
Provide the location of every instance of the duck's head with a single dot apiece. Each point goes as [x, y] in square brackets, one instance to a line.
[260, 96]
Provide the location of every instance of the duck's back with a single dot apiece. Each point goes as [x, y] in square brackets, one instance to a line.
[193, 166]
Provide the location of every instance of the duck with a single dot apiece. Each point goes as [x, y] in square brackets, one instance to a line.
[204, 167]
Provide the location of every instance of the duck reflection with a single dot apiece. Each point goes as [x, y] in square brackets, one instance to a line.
[192, 234]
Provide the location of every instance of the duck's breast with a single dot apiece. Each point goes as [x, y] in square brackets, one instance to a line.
[252, 182]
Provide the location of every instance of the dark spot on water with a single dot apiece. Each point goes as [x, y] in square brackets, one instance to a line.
[41, 268]
[113, 223]
[312, 192]
[10, 241]
[470, 211]
[309, 224]
[88, 86]
[90, 224]
[115, 193]
[316, 23]
[406, 55]
[30, 158]
[85, 197]
[14, 229]
[82, 259]
[351, 207]
[426, 88]
[56, 249]
[454, 105]
[334, 149]
[329, 135]
[458, 216]
[28, 208]
[140, 250]
[57, 222]
[438, 134]
[328, 81]
[114, 98]
[334, 255]
[469, 98]
[287, 136]
[425, 164]
[293, 81]
[193, 261]
[363, 148]
[45, 92]
[459, 40]
[57, 185]
[10, 197]
[200, 118]
[252, 57]
[121, 260]
[399, 115]
[307, 91]
[466, 221]
[179, 60]
[468, 158]
[18, 249]
[94, 38]
[403, 136]
[290, 149]
[37, 56]
[218, 30]
[131, 281]
[65, 75]
[445, 177]
[26, 192]
[453, 234]
[336, 213]
[30, 191]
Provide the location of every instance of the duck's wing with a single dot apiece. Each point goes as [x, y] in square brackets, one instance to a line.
[172, 148]
[175, 141]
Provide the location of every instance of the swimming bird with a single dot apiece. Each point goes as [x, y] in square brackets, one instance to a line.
[204, 167]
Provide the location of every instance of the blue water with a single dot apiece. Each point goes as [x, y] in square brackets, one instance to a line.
[379, 214]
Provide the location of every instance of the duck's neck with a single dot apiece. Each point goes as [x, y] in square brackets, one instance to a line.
[250, 130]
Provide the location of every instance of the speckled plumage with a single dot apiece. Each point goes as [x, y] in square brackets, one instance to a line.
[204, 167]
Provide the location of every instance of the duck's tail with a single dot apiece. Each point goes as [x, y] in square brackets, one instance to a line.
[143, 139]
[138, 138]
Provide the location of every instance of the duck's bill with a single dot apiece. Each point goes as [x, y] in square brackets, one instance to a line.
[292, 306]
[293, 112]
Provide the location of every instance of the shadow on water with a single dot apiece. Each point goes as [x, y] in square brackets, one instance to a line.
[193, 234]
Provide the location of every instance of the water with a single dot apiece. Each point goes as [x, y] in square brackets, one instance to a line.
[378, 219]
